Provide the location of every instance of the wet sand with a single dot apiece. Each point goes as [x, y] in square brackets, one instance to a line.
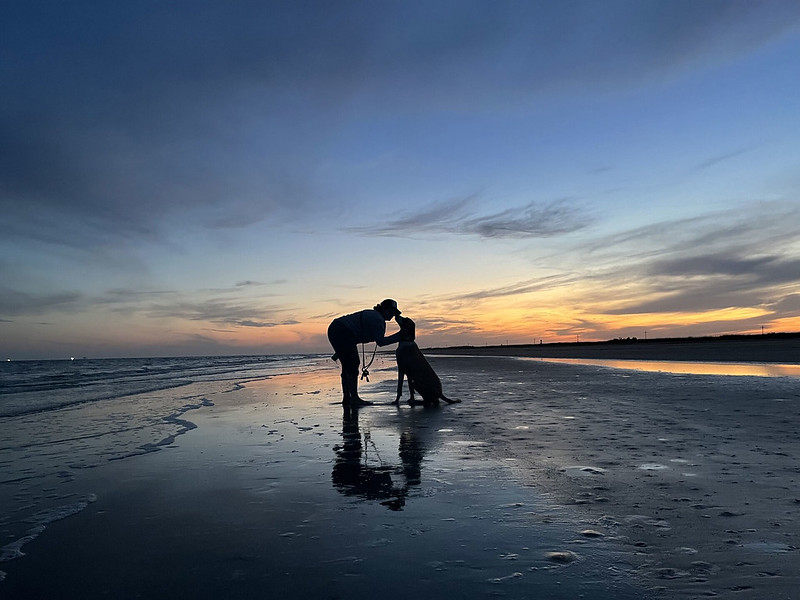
[548, 481]
[696, 476]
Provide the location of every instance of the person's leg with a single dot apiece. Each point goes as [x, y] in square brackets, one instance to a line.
[350, 376]
[346, 349]
[348, 356]
[349, 361]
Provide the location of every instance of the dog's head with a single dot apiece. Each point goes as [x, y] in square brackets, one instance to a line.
[408, 330]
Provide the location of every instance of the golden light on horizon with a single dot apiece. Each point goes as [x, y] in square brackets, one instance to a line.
[680, 318]
[521, 324]
[785, 324]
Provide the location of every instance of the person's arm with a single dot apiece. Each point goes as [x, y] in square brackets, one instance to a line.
[377, 329]
[386, 340]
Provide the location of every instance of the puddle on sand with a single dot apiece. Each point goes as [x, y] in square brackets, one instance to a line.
[653, 467]
[770, 547]
[584, 471]
[686, 367]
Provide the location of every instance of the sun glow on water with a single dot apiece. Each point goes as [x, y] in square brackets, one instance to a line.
[689, 368]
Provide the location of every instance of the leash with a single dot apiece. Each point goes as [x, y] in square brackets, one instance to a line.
[367, 443]
[365, 370]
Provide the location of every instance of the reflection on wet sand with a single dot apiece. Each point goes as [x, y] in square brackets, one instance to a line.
[353, 475]
[689, 368]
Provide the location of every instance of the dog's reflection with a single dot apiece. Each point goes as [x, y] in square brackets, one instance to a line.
[353, 475]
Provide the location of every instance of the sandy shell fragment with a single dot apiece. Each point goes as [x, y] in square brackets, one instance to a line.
[591, 533]
[562, 557]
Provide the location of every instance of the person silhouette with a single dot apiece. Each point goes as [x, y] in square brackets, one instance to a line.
[346, 332]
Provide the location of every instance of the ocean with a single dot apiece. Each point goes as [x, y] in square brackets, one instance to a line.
[61, 417]
[37, 386]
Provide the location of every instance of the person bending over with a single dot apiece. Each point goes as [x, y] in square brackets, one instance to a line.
[345, 333]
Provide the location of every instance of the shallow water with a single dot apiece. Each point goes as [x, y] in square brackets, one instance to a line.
[32, 386]
[686, 367]
[60, 420]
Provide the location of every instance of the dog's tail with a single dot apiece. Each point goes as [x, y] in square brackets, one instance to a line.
[448, 400]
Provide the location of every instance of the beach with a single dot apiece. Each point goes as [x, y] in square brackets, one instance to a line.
[549, 480]
[769, 348]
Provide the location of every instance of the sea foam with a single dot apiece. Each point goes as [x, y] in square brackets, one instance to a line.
[40, 522]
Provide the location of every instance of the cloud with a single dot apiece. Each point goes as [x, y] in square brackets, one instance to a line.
[754, 229]
[456, 216]
[248, 323]
[524, 287]
[788, 305]
[694, 299]
[154, 304]
[533, 220]
[738, 258]
[436, 217]
[234, 313]
[710, 282]
[222, 111]
[714, 160]
[772, 269]
[14, 303]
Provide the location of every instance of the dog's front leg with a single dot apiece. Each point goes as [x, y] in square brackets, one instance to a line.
[411, 392]
[400, 376]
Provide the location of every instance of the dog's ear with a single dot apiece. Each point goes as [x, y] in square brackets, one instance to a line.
[407, 329]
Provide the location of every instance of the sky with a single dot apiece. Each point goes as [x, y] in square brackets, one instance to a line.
[226, 177]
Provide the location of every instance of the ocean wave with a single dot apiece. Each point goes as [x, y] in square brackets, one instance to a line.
[40, 522]
[28, 387]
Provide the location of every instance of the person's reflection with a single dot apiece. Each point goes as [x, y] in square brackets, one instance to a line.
[352, 476]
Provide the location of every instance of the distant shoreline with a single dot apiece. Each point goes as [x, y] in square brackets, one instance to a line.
[769, 347]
